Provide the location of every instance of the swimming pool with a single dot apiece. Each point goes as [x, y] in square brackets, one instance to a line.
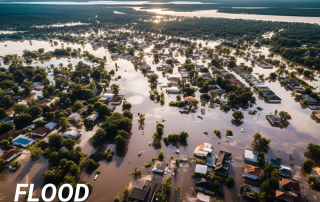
[22, 141]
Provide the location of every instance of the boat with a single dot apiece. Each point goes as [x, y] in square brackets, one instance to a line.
[241, 129]
[96, 176]
[200, 117]
[177, 151]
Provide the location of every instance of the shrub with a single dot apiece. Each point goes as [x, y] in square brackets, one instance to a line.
[307, 165]
[230, 181]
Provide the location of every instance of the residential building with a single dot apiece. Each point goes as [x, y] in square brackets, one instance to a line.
[159, 167]
[8, 134]
[223, 162]
[292, 186]
[248, 192]
[201, 169]
[144, 190]
[72, 134]
[204, 185]
[93, 117]
[276, 163]
[41, 131]
[274, 99]
[251, 157]
[252, 175]
[287, 197]
[10, 155]
[51, 125]
[311, 101]
[6, 120]
[74, 117]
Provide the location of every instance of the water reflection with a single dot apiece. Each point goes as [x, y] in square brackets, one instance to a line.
[216, 14]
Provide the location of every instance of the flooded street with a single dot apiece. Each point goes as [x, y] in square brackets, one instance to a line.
[114, 176]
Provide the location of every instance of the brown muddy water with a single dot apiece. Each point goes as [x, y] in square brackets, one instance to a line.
[114, 176]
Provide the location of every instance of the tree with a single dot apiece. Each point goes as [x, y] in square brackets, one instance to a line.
[77, 105]
[273, 75]
[218, 133]
[98, 138]
[115, 89]
[55, 140]
[238, 115]
[166, 186]
[5, 143]
[103, 110]
[307, 165]
[126, 105]
[5, 127]
[3, 113]
[126, 194]
[120, 141]
[260, 142]
[153, 78]
[284, 116]
[213, 94]
[40, 123]
[178, 97]
[20, 108]
[54, 158]
[68, 143]
[229, 132]
[161, 155]
[127, 113]
[22, 121]
[230, 181]
[2, 163]
[36, 152]
[63, 122]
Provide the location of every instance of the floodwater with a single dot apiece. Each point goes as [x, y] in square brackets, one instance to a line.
[114, 176]
[216, 14]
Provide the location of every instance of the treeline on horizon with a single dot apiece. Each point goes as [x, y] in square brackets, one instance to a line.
[24, 17]
[287, 42]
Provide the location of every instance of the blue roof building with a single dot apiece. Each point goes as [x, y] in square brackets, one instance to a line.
[275, 162]
[51, 125]
[6, 120]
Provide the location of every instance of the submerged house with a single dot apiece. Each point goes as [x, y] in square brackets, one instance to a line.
[203, 150]
[276, 163]
[143, 191]
[201, 169]
[72, 134]
[252, 175]
[251, 157]
[223, 163]
[204, 185]
[292, 186]
[274, 98]
[159, 167]
[288, 197]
